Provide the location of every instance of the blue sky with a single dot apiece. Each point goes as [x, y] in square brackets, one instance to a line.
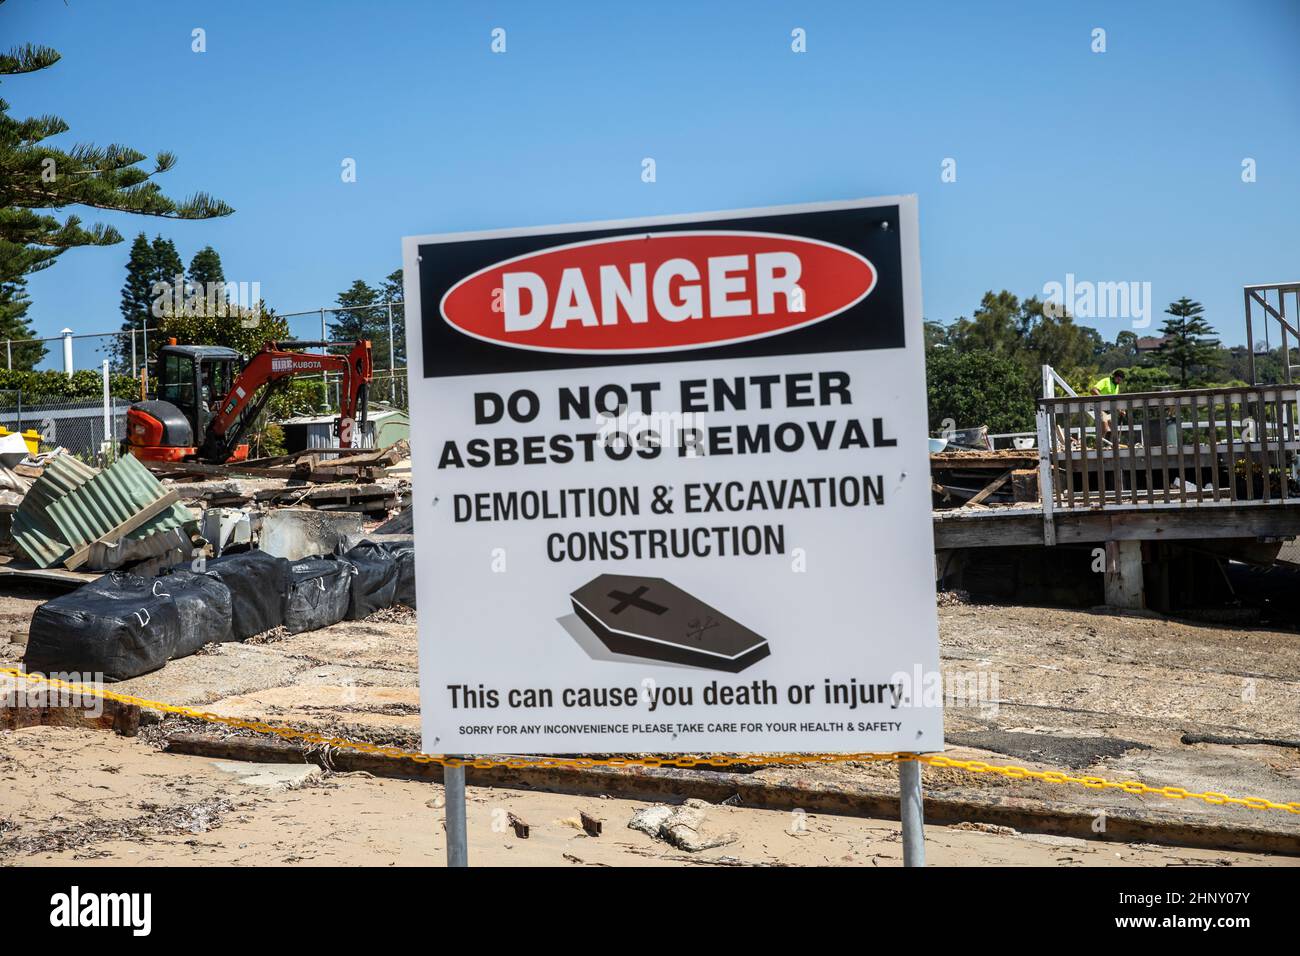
[1117, 166]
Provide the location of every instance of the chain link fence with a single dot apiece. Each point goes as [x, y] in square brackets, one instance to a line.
[131, 352]
[85, 427]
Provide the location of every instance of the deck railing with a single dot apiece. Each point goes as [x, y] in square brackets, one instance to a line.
[1191, 448]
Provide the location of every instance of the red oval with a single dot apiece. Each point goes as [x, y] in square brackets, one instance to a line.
[658, 292]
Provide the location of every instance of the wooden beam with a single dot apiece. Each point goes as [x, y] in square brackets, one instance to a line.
[991, 487]
[998, 527]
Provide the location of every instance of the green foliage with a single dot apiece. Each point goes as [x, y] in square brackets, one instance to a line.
[16, 327]
[968, 359]
[298, 396]
[53, 385]
[367, 318]
[290, 398]
[205, 268]
[1189, 349]
[1122, 353]
[1030, 332]
[151, 269]
[244, 330]
[37, 176]
[978, 388]
[1141, 378]
[266, 442]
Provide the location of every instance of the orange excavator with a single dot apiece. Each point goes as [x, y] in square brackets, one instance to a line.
[208, 396]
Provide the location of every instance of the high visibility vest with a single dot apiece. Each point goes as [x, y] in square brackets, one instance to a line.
[1105, 386]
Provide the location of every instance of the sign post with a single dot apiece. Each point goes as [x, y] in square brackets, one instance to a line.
[911, 813]
[672, 485]
[453, 785]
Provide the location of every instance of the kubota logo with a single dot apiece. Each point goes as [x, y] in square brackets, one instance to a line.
[656, 292]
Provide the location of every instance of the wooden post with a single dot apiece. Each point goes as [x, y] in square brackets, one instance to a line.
[1124, 584]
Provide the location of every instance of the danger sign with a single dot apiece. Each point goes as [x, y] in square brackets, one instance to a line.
[671, 485]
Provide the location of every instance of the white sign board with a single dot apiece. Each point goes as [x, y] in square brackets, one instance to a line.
[671, 485]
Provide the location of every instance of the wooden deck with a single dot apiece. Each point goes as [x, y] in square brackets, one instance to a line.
[1195, 464]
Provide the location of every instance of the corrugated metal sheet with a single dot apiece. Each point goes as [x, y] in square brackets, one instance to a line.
[72, 504]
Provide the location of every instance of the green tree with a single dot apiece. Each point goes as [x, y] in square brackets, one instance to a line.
[167, 263]
[363, 314]
[244, 330]
[137, 299]
[152, 272]
[391, 292]
[978, 388]
[996, 326]
[1189, 346]
[38, 176]
[1028, 332]
[15, 327]
[360, 313]
[1048, 338]
[205, 269]
[936, 334]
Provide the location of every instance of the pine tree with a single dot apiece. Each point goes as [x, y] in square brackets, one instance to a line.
[392, 291]
[1188, 344]
[206, 280]
[365, 319]
[205, 269]
[16, 329]
[167, 265]
[42, 177]
[137, 300]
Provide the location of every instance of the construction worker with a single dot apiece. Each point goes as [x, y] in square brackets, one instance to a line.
[1107, 385]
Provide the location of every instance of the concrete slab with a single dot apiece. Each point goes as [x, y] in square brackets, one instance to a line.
[296, 533]
[269, 776]
[395, 710]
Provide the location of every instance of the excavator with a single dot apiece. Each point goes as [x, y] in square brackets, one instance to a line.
[208, 396]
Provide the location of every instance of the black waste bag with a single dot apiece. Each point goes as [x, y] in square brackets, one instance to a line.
[120, 626]
[405, 592]
[375, 582]
[259, 586]
[204, 604]
[404, 556]
[320, 590]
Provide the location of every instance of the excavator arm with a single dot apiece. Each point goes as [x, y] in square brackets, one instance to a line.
[276, 363]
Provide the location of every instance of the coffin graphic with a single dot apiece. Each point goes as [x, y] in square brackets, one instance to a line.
[654, 620]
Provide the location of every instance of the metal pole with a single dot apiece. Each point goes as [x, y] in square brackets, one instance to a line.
[108, 426]
[912, 812]
[135, 368]
[453, 783]
[392, 349]
[1286, 348]
[325, 376]
[1250, 340]
[9, 354]
[67, 352]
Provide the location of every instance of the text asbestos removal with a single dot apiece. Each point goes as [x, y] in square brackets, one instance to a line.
[623, 431]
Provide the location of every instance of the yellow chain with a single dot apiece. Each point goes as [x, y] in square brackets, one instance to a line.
[714, 760]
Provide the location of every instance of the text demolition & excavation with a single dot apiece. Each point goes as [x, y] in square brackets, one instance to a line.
[850, 491]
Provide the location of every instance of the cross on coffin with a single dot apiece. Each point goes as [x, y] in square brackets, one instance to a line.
[653, 619]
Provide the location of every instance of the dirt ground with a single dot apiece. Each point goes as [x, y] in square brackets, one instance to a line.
[1108, 693]
[87, 798]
